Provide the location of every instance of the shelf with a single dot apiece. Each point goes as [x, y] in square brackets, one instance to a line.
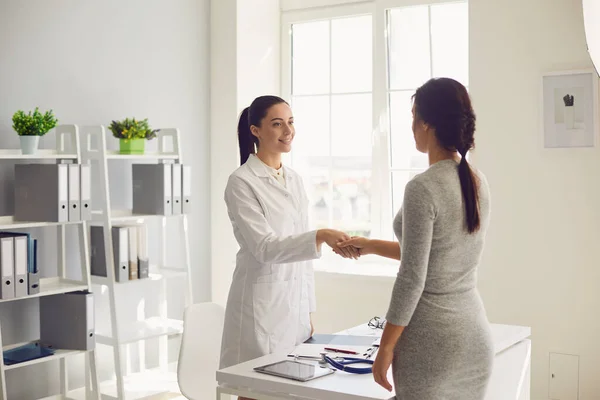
[165, 273]
[50, 286]
[126, 216]
[8, 222]
[42, 154]
[141, 330]
[140, 385]
[115, 155]
[56, 356]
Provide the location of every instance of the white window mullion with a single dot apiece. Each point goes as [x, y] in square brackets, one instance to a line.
[330, 128]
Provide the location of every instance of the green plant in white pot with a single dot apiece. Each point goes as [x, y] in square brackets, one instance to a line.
[31, 126]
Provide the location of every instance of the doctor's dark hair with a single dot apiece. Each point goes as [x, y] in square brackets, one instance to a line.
[444, 104]
[253, 115]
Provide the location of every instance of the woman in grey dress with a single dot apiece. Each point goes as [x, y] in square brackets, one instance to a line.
[437, 337]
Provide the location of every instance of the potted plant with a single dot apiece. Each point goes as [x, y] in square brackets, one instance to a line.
[30, 127]
[132, 134]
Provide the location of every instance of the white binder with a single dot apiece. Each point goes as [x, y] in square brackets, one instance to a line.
[85, 198]
[7, 289]
[20, 272]
[133, 253]
[74, 192]
[186, 188]
[176, 189]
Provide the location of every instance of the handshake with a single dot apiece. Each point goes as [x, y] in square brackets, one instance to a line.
[342, 244]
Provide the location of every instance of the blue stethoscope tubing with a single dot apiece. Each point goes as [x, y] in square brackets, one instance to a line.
[343, 365]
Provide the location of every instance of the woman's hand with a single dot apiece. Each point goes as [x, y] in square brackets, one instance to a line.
[332, 238]
[312, 327]
[382, 364]
[360, 243]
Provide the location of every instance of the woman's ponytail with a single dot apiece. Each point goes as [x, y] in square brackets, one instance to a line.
[246, 139]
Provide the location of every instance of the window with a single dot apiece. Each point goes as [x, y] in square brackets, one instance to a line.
[350, 73]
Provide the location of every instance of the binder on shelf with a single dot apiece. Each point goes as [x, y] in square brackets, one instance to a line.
[176, 189]
[152, 189]
[67, 321]
[85, 198]
[120, 243]
[21, 259]
[41, 192]
[74, 193]
[33, 276]
[186, 188]
[7, 289]
[142, 250]
[133, 253]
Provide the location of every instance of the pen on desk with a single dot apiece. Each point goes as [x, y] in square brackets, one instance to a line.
[340, 350]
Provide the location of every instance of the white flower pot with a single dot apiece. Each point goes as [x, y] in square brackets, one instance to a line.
[29, 144]
[569, 118]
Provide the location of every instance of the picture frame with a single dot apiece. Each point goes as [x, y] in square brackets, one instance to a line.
[570, 109]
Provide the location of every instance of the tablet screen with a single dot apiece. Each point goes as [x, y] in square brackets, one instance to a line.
[294, 370]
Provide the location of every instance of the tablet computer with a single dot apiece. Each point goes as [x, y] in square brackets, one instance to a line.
[295, 370]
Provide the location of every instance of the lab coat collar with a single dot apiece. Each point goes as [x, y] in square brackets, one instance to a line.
[259, 169]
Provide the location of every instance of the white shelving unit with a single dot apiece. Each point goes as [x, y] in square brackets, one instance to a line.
[58, 284]
[124, 333]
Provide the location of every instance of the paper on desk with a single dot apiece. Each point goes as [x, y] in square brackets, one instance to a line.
[315, 350]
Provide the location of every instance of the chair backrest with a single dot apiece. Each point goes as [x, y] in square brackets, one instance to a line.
[200, 350]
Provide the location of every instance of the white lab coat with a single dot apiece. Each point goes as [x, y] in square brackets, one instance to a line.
[272, 293]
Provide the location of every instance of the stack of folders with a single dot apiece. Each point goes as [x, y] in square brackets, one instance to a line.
[161, 189]
[130, 251]
[53, 192]
[18, 259]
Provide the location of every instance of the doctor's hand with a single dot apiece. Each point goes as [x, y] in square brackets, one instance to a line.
[357, 242]
[332, 238]
[382, 364]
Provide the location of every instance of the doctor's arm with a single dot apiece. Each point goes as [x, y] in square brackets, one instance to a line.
[418, 215]
[260, 238]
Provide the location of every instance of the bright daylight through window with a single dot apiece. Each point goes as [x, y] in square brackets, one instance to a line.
[330, 70]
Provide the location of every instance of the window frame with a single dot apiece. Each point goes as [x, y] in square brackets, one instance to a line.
[381, 201]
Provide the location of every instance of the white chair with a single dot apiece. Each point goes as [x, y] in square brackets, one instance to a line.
[200, 350]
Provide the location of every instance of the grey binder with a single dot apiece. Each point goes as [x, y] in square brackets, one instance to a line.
[186, 188]
[142, 250]
[74, 193]
[41, 192]
[152, 189]
[33, 276]
[85, 186]
[176, 189]
[21, 243]
[7, 289]
[67, 321]
[120, 244]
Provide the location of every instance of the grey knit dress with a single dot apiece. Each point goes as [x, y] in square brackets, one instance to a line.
[446, 350]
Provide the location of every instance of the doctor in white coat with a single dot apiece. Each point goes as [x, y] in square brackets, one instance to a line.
[272, 293]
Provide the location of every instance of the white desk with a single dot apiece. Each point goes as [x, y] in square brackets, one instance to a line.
[510, 377]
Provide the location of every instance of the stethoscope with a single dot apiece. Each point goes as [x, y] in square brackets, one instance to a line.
[343, 364]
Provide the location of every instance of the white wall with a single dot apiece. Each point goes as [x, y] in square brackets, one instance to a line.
[92, 62]
[245, 64]
[540, 266]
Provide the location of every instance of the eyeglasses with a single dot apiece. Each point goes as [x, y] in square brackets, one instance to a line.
[376, 323]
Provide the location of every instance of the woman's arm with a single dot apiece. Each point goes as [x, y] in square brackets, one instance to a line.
[383, 248]
[268, 248]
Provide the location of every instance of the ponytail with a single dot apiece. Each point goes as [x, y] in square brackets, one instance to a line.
[246, 139]
[445, 105]
[470, 194]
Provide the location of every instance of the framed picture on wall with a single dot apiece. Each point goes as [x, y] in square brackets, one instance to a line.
[570, 109]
